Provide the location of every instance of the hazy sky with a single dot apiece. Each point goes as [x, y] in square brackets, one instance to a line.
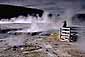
[34, 2]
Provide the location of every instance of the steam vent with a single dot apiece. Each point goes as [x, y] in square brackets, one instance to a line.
[42, 28]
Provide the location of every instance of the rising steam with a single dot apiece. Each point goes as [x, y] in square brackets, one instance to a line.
[43, 23]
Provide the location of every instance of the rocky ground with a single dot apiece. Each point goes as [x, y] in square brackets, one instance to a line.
[42, 47]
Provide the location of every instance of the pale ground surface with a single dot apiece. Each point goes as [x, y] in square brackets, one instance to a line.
[41, 47]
